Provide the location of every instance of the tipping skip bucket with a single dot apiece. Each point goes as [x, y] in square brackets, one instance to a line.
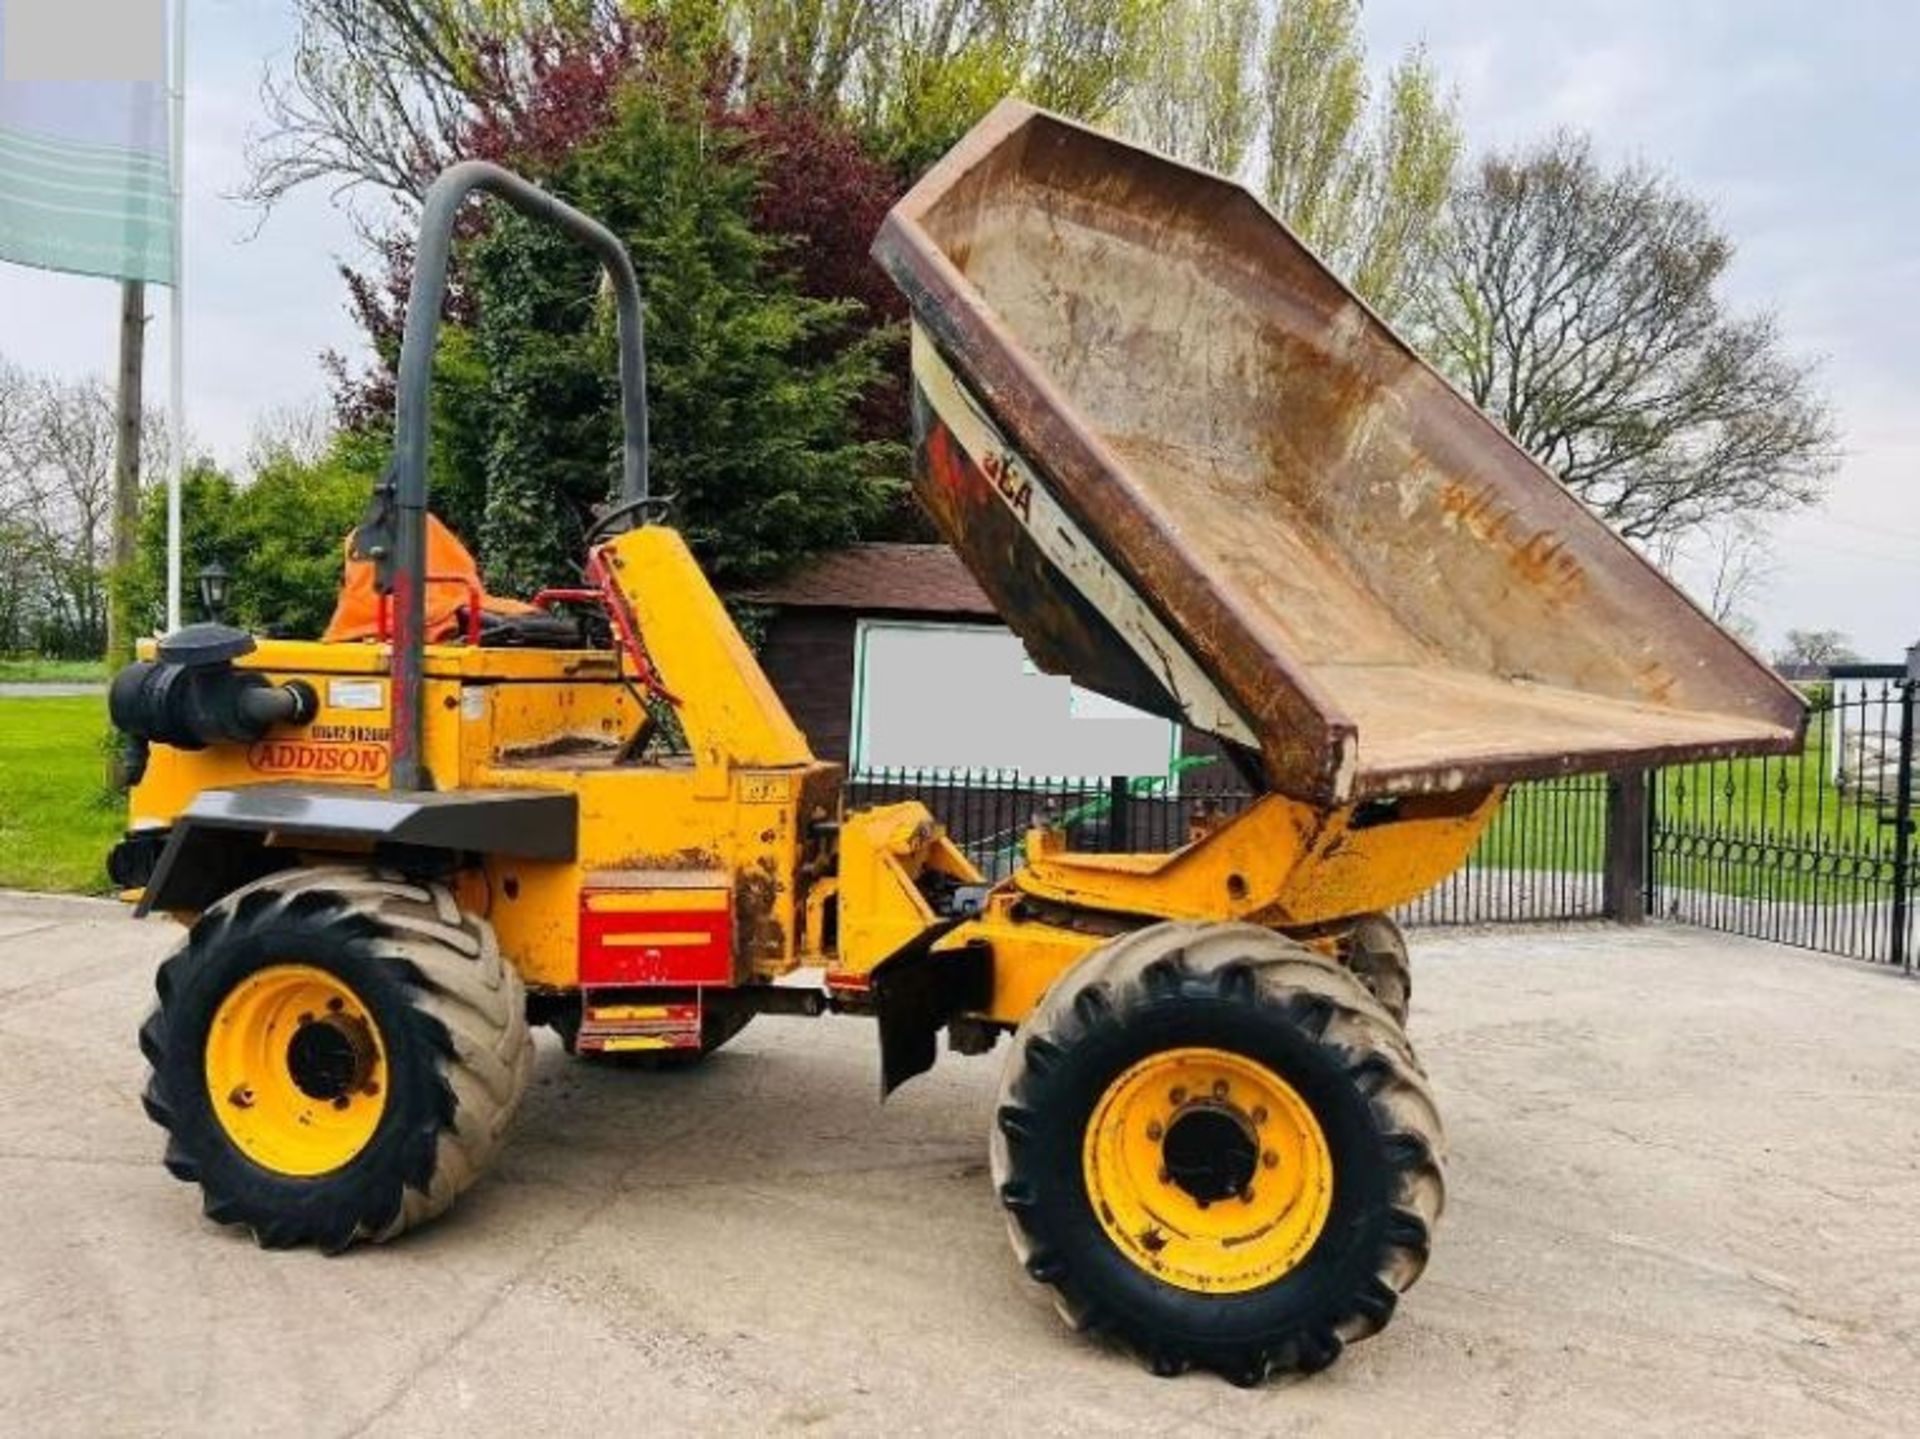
[1196, 474]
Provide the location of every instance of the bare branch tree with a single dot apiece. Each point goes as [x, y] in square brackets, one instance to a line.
[72, 497]
[19, 550]
[296, 434]
[1579, 308]
[1742, 565]
[376, 90]
[1815, 647]
[57, 441]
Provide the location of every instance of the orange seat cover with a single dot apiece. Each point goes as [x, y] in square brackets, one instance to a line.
[453, 576]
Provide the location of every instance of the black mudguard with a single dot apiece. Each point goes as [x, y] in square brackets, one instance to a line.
[916, 992]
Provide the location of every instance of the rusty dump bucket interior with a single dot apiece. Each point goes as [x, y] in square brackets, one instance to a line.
[1195, 473]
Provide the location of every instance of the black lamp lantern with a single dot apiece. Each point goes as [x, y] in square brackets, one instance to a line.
[213, 590]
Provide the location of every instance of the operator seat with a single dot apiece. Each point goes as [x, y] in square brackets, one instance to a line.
[452, 580]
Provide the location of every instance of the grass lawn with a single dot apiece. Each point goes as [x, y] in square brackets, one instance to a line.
[1775, 826]
[18, 668]
[56, 822]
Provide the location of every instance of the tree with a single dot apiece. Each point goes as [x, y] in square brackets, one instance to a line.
[1195, 96]
[301, 434]
[1365, 185]
[1742, 565]
[1366, 191]
[802, 51]
[916, 74]
[1728, 564]
[766, 320]
[72, 501]
[57, 446]
[280, 535]
[1579, 307]
[1815, 648]
[19, 554]
[754, 385]
[377, 92]
[817, 190]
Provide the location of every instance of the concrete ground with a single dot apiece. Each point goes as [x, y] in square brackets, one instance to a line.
[1685, 1197]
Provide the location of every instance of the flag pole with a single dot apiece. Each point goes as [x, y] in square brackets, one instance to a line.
[176, 309]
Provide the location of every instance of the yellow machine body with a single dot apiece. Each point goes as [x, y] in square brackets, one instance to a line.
[741, 819]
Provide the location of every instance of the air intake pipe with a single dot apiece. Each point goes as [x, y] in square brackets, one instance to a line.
[191, 696]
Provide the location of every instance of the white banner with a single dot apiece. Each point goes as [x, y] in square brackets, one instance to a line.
[85, 181]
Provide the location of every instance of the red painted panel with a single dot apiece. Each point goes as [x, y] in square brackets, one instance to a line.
[690, 943]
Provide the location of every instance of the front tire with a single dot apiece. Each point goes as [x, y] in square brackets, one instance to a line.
[336, 1055]
[1218, 1148]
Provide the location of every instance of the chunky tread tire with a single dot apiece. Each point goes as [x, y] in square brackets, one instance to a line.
[452, 1015]
[1376, 951]
[1241, 987]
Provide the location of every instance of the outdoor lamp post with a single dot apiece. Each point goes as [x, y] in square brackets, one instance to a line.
[213, 589]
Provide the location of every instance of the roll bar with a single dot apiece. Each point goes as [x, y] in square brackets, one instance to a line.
[393, 533]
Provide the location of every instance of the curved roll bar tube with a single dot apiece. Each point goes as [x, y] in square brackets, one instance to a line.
[394, 533]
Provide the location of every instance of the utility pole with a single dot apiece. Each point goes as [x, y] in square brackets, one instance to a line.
[128, 413]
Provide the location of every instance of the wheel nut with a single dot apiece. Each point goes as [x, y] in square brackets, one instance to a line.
[241, 1097]
[1153, 1129]
[1259, 1115]
[1166, 1177]
[336, 1004]
[340, 1101]
[1270, 1159]
[1246, 1195]
[1219, 1089]
[371, 1087]
[1178, 1095]
[306, 1018]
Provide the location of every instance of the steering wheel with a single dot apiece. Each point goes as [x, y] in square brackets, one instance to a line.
[648, 508]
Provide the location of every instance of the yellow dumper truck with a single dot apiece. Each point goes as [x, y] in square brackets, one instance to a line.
[1194, 473]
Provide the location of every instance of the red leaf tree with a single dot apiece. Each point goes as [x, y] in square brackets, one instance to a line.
[537, 98]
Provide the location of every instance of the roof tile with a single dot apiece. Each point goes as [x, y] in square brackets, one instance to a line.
[886, 576]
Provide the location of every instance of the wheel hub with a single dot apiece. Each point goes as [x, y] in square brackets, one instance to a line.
[1208, 1170]
[1210, 1152]
[296, 1069]
[330, 1056]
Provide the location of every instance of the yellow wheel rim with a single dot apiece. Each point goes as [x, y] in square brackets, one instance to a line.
[296, 1070]
[1208, 1170]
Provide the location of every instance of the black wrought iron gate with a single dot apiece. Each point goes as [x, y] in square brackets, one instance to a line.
[1814, 849]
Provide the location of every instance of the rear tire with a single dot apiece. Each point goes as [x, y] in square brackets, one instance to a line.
[427, 987]
[1262, 1005]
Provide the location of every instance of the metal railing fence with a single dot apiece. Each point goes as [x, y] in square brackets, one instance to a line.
[1814, 849]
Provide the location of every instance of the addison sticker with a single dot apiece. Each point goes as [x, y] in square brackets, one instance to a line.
[323, 751]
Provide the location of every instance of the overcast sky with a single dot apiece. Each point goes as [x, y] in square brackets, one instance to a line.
[1799, 124]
